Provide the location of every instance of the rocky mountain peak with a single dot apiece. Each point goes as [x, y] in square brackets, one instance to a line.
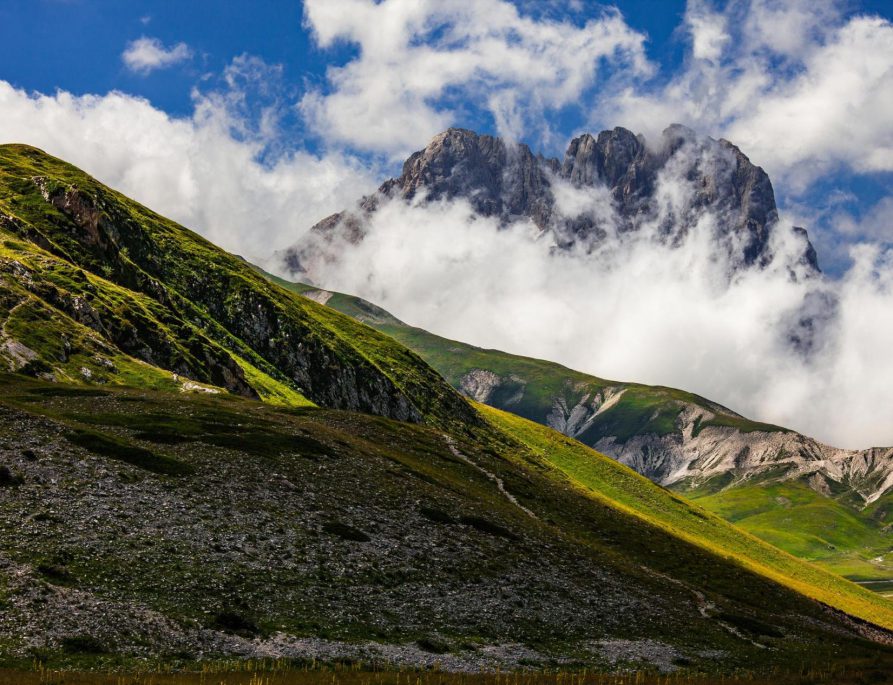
[498, 178]
[608, 159]
[666, 185]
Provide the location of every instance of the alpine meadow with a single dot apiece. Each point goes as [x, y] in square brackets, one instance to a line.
[309, 311]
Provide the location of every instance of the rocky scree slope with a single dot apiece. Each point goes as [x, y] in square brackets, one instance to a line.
[137, 523]
[837, 505]
[509, 182]
[96, 288]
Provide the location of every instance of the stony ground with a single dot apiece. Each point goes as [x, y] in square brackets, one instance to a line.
[137, 525]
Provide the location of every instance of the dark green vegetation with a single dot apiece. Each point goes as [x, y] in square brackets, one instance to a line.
[833, 529]
[94, 286]
[271, 672]
[350, 527]
[365, 511]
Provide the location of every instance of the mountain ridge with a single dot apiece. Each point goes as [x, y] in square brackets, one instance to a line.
[112, 272]
[508, 182]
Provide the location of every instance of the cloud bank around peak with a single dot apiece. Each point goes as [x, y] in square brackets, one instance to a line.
[636, 309]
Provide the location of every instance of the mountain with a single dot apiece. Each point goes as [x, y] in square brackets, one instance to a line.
[197, 463]
[95, 286]
[664, 187]
[829, 505]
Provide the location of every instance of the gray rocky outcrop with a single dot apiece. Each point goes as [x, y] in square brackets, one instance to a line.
[507, 181]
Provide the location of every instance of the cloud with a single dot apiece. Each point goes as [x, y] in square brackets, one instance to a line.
[708, 32]
[637, 310]
[145, 55]
[420, 64]
[798, 86]
[875, 224]
[203, 171]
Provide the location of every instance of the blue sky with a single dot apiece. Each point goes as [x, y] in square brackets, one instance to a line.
[78, 46]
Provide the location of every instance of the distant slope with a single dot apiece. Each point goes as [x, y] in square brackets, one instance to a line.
[686, 442]
[855, 543]
[93, 283]
[136, 523]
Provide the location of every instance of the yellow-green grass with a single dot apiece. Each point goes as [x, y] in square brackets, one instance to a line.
[44, 329]
[796, 518]
[606, 480]
[285, 673]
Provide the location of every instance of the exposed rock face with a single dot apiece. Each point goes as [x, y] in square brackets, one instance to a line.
[479, 384]
[683, 458]
[496, 178]
[508, 182]
[693, 454]
[694, 451]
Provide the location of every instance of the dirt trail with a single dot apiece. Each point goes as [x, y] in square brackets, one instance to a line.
[500, 485]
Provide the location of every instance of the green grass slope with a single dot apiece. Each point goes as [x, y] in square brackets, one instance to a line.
[832, 531]
[603, 478]
[141, 524]
[794, 517]
[151, 290]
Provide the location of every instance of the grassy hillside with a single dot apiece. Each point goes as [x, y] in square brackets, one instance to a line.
[132, 285]
[141, 523]
[794, 517]
[152, 508]
[832, 531]
[602, 477]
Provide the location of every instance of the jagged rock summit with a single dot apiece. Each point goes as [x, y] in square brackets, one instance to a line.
[666, 187]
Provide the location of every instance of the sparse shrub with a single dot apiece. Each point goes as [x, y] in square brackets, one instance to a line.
[54, 572]
[83, 644]
[35, 368]
[488, 527]
[9, 479]
[345, 532]
[751, 625]
[115, 448]
[238, 624]
[436, 515]
[433, 645]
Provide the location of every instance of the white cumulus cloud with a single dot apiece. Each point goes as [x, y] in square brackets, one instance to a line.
[421, 62]
[797, 84]
[203, 171]
[145, 55]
